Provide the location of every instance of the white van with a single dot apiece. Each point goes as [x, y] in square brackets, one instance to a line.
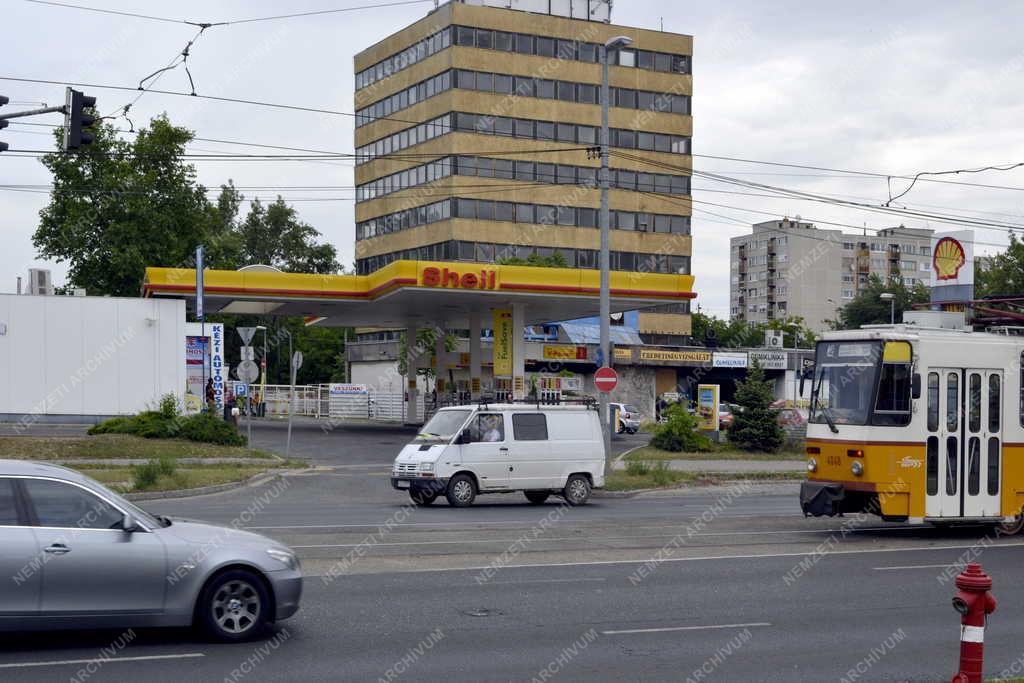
[538, 449]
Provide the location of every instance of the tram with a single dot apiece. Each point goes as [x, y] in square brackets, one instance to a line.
[917, 424]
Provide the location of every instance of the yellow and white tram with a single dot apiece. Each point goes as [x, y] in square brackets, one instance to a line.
[917, 424]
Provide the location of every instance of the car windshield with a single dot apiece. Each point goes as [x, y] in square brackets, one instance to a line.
[444, 425]
[630, 409]
[845, 376]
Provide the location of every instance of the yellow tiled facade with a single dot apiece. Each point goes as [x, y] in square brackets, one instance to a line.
[650, 223]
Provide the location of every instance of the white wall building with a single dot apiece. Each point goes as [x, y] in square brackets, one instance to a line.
[78, 359]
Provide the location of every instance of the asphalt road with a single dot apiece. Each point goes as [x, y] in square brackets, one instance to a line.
[733, 583]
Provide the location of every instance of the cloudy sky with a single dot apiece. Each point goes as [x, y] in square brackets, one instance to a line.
[888, 87]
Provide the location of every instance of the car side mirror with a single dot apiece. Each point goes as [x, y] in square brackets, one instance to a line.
[465, 437]
[915, 385]
[128, 524]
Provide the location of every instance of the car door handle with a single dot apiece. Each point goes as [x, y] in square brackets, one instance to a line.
[58, 549]
[503, 449]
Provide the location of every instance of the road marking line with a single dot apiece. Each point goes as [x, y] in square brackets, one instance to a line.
[64, 662]
[913, 566]
[541, 565]
[684, 628]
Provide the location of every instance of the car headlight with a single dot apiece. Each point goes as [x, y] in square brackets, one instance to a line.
[857, 468]
[426, 467]
[285, 557]
[812, 465]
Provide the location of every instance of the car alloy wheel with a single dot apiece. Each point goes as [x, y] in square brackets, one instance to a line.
[236, 607]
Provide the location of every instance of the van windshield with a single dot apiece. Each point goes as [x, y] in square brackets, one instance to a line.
[444, 425]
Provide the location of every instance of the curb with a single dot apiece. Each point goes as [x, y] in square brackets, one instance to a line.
[623, 454]
[600, 493]
[255, 480]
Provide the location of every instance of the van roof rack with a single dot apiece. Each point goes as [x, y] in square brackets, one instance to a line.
[587, 401]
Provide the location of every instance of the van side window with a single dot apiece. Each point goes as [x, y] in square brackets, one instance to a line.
[488, 427]
[530, 427]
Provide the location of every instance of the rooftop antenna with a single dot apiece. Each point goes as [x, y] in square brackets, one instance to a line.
[662, 20]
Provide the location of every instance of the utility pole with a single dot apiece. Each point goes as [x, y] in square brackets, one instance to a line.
[605, 308]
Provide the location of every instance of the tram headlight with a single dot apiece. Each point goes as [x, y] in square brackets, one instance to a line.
[812, 465]
[857, 468]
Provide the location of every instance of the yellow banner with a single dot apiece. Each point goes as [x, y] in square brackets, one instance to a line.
[563, 352]
[623, 354]
[678, 356]
[502, 327]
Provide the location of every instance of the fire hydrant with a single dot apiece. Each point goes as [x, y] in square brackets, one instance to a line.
[974, 603]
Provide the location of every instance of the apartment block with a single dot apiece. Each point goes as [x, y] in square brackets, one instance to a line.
[472, 133]
[792, 268]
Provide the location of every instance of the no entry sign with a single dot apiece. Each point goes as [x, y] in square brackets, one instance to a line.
[605, 379]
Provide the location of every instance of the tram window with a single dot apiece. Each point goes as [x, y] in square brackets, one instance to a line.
[933, 401]
[994, 403]
[952, 444]
[932, 466]
[974, 466]
[993, 466]
[974, 403]
[952, 401]
[893, 404]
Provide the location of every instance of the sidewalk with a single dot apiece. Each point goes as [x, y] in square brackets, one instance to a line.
[729, 465]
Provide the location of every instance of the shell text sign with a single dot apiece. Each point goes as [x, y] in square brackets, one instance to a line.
[948, 259]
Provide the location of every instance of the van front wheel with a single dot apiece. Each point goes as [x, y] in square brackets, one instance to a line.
[577, 490]
[461, 491]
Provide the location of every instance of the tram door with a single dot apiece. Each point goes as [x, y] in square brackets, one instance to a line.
[964, 443]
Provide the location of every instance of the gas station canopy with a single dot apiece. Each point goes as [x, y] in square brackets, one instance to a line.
[418, 293]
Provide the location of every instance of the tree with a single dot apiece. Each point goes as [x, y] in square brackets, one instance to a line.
[118, 207]
[274, 236]
[710, 331]
[755, 426]
[795, 334]
[1003, 273]
[868, 308]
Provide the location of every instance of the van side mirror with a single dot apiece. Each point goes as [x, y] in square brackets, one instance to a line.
[128, 524]
[465, 437]
[915, 385]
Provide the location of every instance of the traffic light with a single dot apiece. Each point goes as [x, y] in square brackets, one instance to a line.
[3, 123]
[77, 124]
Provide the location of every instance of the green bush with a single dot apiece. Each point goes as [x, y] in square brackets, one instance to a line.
[208, 429]
[168, 406]
[166, 423]
[679, 433]
[637, 468]
[146, 475]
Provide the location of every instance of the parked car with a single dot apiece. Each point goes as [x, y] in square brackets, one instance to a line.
[77, 555]
[541, 450]
[724, 416]
[629, 417]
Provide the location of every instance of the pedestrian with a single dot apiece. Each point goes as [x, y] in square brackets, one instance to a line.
[211, 397]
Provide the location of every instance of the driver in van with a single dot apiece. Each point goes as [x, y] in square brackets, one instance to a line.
[491, 427]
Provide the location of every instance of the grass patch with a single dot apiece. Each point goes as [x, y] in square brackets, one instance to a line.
[116, 446]
[128, 479]
[658, 477]
[721, 452]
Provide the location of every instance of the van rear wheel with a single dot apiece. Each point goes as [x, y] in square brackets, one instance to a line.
[461, 491]
[537, 497]
[577, 490]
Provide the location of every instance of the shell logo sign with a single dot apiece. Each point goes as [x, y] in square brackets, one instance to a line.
[948, 258]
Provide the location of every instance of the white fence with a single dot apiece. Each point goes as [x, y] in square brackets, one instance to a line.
[339, 401]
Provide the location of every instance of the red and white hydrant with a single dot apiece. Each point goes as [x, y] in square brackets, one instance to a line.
[974, 603]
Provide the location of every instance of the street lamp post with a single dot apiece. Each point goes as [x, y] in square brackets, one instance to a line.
[265, 364]
[291, 396]
[605, 301]
[891, 298]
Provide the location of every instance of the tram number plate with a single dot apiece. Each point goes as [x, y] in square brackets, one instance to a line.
[834, 460]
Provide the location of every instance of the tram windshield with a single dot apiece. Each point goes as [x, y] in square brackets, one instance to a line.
[845, 377]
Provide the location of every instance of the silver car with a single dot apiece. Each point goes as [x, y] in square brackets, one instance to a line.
[76, 555]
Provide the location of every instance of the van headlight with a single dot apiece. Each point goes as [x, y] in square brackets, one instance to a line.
[426, 467]
[285, 557]
[857, 468]
[812, 465]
